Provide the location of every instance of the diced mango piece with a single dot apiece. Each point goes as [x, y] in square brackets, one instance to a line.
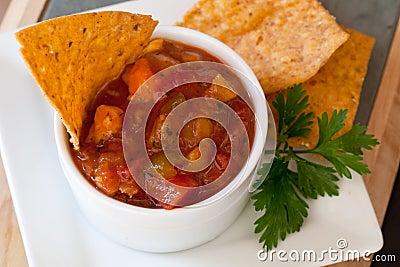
[194, 154]
[163, 166]
[107, 122]
[189, 56]
[196, 130]
[153, 46]
[129, 187]
[219, 90]
[172, 103]
[155, 135]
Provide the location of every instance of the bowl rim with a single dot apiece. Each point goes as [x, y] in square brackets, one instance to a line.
[218, 48]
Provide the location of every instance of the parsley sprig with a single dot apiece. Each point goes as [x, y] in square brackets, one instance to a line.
[292, 179]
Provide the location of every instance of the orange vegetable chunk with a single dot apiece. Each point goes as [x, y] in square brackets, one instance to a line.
[135, 76]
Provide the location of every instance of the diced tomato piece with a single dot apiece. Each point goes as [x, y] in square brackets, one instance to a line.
[222, 161]
[246, 115]
[211, 174]
[106, 179]
[166, 206]
[186, 180]
[216, 169]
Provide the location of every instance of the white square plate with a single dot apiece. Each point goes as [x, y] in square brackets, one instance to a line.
[56, 234]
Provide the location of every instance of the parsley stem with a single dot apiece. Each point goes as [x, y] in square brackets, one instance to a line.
[308, 151]
[285, 151]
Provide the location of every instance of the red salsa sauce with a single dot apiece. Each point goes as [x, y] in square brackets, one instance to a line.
[100, 157]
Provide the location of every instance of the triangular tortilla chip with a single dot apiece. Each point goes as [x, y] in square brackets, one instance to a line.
[337, 85]
[73, 57]
[284, 42]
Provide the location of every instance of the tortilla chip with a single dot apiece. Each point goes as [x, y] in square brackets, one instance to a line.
[338, 84]
[284, 42]
[72, 57]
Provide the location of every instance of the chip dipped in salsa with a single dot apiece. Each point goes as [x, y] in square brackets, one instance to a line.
[100, 156]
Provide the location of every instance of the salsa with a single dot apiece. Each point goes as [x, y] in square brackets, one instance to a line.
[100, 157]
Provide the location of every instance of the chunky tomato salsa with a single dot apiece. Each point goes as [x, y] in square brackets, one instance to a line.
[100, 157]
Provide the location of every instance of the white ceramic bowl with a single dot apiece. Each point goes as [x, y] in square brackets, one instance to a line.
[158, 230]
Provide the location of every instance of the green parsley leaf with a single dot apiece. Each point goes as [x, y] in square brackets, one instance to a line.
[285, 186]
[284, 210]
[343, 152]
[355, 139]
[292, 121]
[316, 180]
[262, 172]
[328, 128]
